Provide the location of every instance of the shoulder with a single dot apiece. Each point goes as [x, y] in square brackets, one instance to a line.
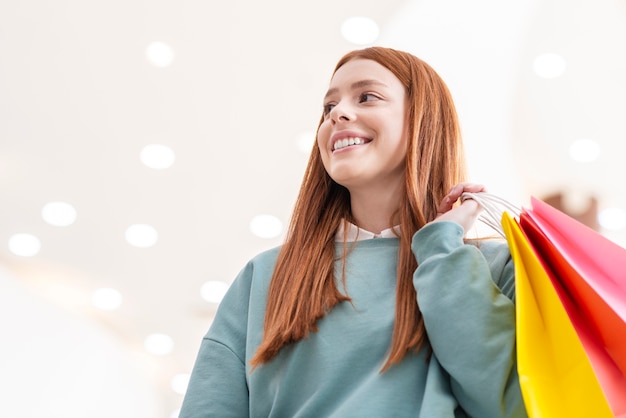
[244, 299]
[267, 256]
[257, 271]
[263, 263]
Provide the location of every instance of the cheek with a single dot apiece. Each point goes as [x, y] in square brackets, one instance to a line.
[322, 140]
[400, 150]
[322, 134]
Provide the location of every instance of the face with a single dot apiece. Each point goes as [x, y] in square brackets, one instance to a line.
[363, 136]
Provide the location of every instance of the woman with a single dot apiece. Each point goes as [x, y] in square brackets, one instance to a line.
[375, 305]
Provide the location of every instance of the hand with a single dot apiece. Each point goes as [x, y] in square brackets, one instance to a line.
[464, 214]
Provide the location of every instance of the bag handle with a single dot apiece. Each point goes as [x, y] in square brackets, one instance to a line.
[494, 206]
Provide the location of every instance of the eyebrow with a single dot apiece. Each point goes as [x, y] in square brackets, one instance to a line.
[357, 85]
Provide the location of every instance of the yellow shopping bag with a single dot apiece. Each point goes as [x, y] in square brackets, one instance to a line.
[556, 375]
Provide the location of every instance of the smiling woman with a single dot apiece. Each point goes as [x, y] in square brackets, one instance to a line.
[360, 312]
[363, 97]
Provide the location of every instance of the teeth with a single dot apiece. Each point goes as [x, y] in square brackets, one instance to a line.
[346, 142]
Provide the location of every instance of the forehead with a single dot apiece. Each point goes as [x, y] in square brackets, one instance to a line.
[363, 69]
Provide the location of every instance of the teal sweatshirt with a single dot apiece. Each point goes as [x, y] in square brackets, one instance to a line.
[465, 293]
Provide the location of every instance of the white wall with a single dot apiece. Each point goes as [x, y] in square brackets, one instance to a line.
[56, 364]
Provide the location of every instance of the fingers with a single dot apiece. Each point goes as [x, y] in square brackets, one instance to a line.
[455, 193]
[461, 188]
[464, 214]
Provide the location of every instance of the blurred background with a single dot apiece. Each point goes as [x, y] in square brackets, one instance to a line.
[148, 150]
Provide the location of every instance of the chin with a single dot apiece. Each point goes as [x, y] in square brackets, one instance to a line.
[348, 181]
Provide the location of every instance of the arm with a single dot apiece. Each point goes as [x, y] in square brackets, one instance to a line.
[218, 385]
[469, 321]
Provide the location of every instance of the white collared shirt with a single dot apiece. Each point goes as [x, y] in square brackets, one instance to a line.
[354, 233]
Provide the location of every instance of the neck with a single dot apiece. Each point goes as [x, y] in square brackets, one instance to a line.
[373, 210]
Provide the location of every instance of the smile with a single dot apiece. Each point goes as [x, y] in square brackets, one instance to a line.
[347, 142]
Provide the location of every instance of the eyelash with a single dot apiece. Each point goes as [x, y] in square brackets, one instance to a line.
[363, 95]
[329, 106]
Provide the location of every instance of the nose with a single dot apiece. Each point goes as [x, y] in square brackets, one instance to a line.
[339, 113]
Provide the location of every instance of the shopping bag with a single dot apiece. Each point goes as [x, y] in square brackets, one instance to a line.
[556, 376]
[589, 288]
[610, 377]
[589, 266]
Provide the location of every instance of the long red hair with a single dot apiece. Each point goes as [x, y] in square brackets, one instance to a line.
[303, 288]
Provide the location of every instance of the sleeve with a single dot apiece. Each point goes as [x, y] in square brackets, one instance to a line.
[218, 386]
[469, 319]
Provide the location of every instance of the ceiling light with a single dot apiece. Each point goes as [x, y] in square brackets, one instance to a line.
[266, 226]
[612, 219]
[157, 156]
[360, 30]
[160, 54]
[141, 235]
[214, 290]
[24, 245]
[107, 299]
[549, 65]
[58, 214]
[584, 150]
[159, 344]
[179, 383]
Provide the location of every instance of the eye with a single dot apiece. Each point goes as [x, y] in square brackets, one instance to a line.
[328, 107]
[368, 97]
